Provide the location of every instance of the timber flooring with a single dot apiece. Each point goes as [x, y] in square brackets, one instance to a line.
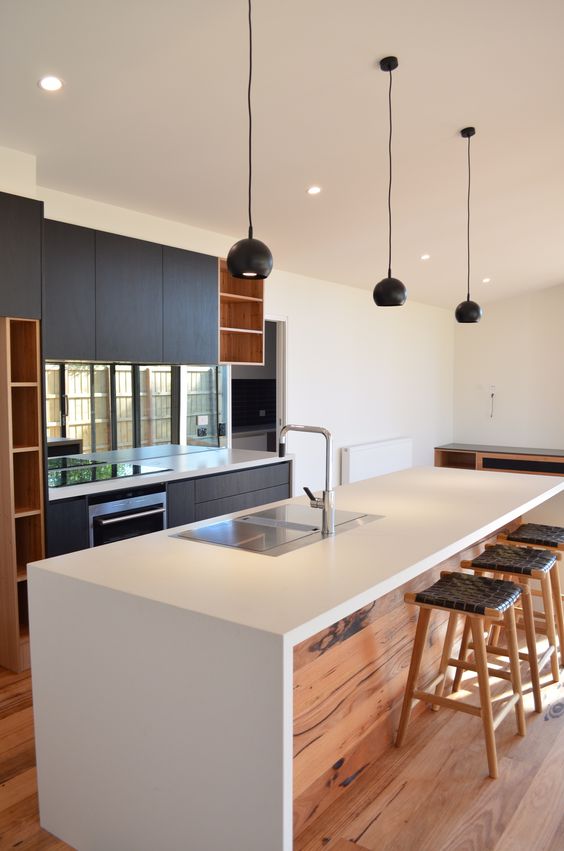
[19, 813]
[431, 795]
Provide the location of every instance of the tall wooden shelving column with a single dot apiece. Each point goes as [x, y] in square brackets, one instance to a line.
[241, 319]
[21, 482]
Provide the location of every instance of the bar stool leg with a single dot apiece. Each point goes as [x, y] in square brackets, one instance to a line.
[447, 652]
[415, 664]
[530, 634]
[550, 630]
[462, 654]
[477, 626]
[513, 650]
[557, 598]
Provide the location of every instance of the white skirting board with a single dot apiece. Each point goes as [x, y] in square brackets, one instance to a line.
[366, 460]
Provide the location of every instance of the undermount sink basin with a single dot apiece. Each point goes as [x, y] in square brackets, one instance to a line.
[274, 531]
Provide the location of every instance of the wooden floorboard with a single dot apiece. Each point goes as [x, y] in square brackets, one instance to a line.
[19, 809]
[434, 793]
[431, 795]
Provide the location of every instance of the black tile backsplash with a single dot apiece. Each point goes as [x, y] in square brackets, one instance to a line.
[250, 396]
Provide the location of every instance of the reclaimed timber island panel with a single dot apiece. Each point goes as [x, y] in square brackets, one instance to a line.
[193, 696]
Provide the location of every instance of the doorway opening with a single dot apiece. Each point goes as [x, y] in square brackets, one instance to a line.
[258, 394]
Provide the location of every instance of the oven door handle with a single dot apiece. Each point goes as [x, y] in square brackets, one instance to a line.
[124, 517]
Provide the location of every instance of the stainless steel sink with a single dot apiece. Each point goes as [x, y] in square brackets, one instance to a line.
[274, 531]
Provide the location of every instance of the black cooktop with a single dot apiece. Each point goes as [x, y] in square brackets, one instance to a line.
[96, 472]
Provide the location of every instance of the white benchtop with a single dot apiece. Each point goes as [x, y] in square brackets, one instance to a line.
[429, 515]
[171, 461]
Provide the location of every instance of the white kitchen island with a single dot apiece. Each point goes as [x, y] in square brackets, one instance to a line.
[163, 668]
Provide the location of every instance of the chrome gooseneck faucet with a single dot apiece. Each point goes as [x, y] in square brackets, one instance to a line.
[327, 501]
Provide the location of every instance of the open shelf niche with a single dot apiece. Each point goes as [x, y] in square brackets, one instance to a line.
[241, 319]
[21, 482]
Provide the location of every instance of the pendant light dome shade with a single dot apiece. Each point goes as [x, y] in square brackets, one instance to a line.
[468, 311]
[389, 292]
[250, 258]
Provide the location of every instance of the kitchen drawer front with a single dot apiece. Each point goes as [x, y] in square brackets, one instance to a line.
[217, 507]
[243, 481]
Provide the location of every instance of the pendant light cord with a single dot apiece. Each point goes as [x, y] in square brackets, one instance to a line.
[468, 229]
[250, 119]
[390, 181]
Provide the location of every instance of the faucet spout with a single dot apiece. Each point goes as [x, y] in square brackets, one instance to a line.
[327, 503]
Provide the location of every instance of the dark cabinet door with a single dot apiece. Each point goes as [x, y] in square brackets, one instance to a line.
[20, 256]
[180, 503]
[190, 307]
[69, 306]
[241, 489]
[67, 526]
[129, 299]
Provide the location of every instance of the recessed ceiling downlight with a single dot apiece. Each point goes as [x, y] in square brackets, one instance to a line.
[425, 256]
[50, 84]
[486, 280]
[314, 190]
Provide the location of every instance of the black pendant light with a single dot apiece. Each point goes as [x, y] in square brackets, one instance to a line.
[389, 292]
[250, 258]
[468, 311]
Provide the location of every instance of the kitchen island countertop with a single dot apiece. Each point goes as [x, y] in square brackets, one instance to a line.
[163, 668]
[428, 514]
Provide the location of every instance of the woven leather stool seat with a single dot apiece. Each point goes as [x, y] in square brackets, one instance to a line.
[537, 533]
[522, 560]
[478, 601]
[467, 593]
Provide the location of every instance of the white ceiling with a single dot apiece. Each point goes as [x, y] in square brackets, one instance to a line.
[153, 117]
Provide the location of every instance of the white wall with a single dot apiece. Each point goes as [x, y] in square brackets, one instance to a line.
[517, 347]
[365, 373]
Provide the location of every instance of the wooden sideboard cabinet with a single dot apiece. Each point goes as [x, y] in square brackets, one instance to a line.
[505, 459]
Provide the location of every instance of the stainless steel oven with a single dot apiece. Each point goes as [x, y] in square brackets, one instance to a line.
[134, 513]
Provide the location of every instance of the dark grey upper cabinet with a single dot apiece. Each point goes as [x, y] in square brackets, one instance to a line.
[20, 256]
[190, 305]
[69, 305]
[129, 299]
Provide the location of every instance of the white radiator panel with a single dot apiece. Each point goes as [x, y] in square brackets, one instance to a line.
[366, 460]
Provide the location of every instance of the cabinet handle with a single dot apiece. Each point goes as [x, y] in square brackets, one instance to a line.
[130, 516]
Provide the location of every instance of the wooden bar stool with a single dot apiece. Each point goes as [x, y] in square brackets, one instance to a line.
[521, 564]
[478, 599]
[540, 536]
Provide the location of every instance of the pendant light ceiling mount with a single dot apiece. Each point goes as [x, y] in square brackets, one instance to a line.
[468, 311]
[250, 258]
[390, 63]
[389, 292]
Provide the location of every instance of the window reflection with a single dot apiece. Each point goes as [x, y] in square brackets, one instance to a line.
[120, 406]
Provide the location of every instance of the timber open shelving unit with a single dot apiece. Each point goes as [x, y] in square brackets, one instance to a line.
[21, 482]
[241, 319]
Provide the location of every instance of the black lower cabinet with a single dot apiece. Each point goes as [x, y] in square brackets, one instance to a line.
[236, 491]
[180, 503]
[67, 526]
[188, 500]
[216, 507]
